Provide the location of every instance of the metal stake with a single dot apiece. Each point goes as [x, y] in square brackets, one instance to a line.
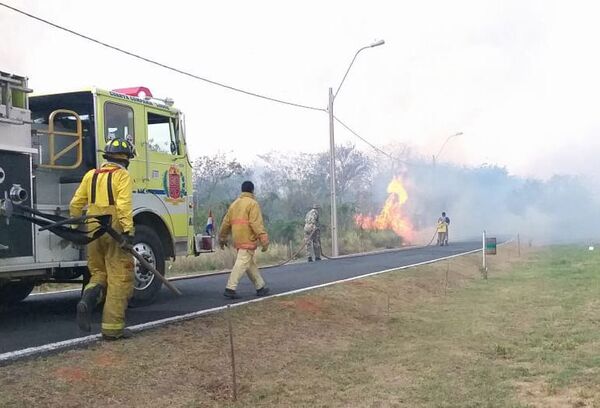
[388, 305]
[483, 252]
[233, 378]
[446, 283]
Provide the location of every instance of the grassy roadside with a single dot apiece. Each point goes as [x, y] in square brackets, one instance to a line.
[527, 337]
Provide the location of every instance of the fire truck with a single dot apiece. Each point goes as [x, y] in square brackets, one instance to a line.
[47, 144]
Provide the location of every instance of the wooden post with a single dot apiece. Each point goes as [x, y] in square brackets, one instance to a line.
[233, 379]
[484, 267]
[518, 244]
[388, 305]
[446, 283]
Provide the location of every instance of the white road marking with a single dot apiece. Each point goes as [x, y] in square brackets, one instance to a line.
[66, 344]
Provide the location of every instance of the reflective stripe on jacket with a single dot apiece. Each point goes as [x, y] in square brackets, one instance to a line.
[107, 190]
[244, 221]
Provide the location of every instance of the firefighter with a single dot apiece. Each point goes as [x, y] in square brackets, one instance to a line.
[312, 233]
[442, 230]
[245, 222]
[108, 191]
[447, 219]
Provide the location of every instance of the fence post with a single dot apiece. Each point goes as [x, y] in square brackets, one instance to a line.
[484, 268]
[446, 282]
[519, 244]
[233, 379]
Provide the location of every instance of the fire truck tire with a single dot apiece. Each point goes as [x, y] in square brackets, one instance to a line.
[14, 292]
[146, 286]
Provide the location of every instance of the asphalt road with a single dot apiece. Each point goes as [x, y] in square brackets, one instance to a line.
[50, 318]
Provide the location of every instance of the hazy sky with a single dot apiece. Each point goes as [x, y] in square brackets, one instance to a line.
[521, 78]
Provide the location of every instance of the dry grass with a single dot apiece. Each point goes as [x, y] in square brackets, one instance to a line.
[224, 259]
[409, 339]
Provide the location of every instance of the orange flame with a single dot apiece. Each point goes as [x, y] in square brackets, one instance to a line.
[391, 216]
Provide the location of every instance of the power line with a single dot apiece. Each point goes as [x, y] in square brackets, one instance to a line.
[377, 148]
[179, 71]
[363, 139]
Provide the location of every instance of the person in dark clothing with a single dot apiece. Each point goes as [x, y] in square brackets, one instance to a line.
[447, 219]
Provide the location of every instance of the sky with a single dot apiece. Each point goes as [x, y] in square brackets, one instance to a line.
[520, 79]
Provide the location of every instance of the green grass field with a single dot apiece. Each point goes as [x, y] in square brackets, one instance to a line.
[433, 336]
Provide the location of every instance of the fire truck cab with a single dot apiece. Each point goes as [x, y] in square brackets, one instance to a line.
[47, 144]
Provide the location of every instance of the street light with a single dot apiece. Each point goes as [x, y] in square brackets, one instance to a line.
[332, 96]
[444, 144]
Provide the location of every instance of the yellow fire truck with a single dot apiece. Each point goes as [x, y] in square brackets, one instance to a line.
[48, 142]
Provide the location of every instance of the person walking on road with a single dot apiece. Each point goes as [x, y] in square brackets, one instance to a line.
[108, 191]
[312, 233]
[442, 229]
[245, 222]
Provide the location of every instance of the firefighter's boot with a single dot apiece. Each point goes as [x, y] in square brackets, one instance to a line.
[264, 291]
[92, 296]
[231, 294]
[125, 334]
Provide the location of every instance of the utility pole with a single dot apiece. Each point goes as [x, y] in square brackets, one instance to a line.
[334, 235]
[332, 96]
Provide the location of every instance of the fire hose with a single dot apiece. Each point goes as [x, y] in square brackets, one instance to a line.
[322, 254]
[300, 249]
[143, 262]
[63, 227]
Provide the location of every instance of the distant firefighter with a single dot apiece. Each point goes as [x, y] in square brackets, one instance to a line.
[447, 226]
[442, 230]
[312, 233]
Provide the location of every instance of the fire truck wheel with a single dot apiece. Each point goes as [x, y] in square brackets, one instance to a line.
[146, 286]
[14, 292]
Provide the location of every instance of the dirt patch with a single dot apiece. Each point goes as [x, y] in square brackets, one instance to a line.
[72, 374]
[107, 359]
[304, 305]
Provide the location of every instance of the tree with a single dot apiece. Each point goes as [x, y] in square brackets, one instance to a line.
[353, 170]
[217, 181]
[210, 171]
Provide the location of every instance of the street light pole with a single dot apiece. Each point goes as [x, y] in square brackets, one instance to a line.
[334, 235]
[444, 144]
[332, 96]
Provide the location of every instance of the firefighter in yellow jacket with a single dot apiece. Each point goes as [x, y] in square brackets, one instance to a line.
[108, 191]
[244, 221]
[442, 230]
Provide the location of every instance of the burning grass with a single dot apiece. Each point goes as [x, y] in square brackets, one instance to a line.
[392, 216]
[526, 337]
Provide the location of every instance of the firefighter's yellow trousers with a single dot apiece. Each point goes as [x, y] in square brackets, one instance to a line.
[111, 267]
[245, 263]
